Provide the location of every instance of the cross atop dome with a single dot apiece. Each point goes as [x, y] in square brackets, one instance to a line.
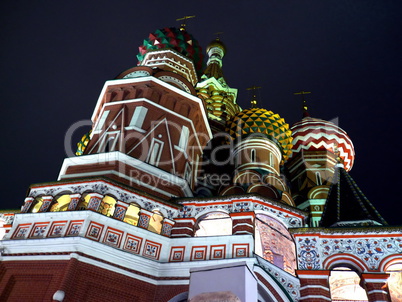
[184, 20]
[304, 104]
[254, 101]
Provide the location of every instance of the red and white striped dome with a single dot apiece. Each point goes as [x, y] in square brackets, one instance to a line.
[316, 134]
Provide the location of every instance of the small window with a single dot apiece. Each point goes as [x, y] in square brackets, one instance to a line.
[101, 121]
[138, 117]
[252, 156]
[155, 152]
[187, 173]
[318, 178]
[109, 142]
[271, 160]
[184, 138]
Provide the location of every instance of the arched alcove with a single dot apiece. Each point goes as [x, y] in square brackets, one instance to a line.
[36, 205]
[213, 224]
[107, 205]
[344, 284]
[155, 223]
[132, 214]
[60, 203]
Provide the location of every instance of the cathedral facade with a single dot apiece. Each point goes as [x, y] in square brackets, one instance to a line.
[178, 194]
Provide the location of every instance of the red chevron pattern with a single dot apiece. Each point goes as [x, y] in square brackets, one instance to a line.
[316, 134]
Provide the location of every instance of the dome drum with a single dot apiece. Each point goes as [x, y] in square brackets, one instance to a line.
[258, 153]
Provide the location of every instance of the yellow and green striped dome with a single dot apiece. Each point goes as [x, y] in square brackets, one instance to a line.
[258, 120]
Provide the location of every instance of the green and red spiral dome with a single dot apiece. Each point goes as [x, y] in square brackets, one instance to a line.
[176, 39]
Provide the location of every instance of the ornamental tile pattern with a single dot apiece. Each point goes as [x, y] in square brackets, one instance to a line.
[257, 120]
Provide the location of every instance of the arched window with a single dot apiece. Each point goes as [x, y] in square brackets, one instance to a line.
[344, 284]
[132, 214]
[155, 223]
[61, 203]
[107, 206]
[252, 155]
[214, 224]
[395, 281]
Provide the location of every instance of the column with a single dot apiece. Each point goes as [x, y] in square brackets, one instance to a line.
[314, 285]
[167, 226]
[120, 210]
[145, 217]
[46, 201]
[184, 227]
[376, 286]
[94, 201]
[243, 223]
[27, 204]
[75, 199]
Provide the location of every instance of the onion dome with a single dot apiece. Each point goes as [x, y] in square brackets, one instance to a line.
[83, 143]
[314, 134]
[216, 51]
[258, 120]
[176, 39]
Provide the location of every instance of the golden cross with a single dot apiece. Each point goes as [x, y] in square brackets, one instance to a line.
[184, 19]
[218, 35]
[254, 100]
[302, 93]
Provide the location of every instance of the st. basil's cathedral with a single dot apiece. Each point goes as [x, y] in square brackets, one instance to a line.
[178, 194]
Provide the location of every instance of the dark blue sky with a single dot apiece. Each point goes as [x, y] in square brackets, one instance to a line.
[56, 55]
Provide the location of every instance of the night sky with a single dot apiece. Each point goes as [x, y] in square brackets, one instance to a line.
[56, 55]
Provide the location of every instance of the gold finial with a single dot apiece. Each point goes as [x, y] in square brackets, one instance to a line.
[254, 99]
[337, 154]
[184, 19]
[304, 105]
[218, 35]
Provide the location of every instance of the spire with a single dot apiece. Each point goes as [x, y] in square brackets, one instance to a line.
[304, 102]
[346, 205]
[254, 101]
[184, 20]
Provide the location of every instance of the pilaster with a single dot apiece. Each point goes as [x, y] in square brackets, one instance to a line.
[314, 285]
[376, 286]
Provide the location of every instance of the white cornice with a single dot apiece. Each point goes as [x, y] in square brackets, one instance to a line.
[127, 160]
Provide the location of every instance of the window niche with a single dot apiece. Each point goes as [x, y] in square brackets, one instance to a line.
[214, 224]
[344, 284]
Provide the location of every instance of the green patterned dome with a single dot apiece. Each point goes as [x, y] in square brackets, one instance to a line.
[179, 40]
[258, 120]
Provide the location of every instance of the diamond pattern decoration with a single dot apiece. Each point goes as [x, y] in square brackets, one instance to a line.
[258, 120]
[173, 38]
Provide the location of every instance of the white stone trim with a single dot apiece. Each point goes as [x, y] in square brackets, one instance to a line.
[315, 286]
[315, 297]
[127, 160]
